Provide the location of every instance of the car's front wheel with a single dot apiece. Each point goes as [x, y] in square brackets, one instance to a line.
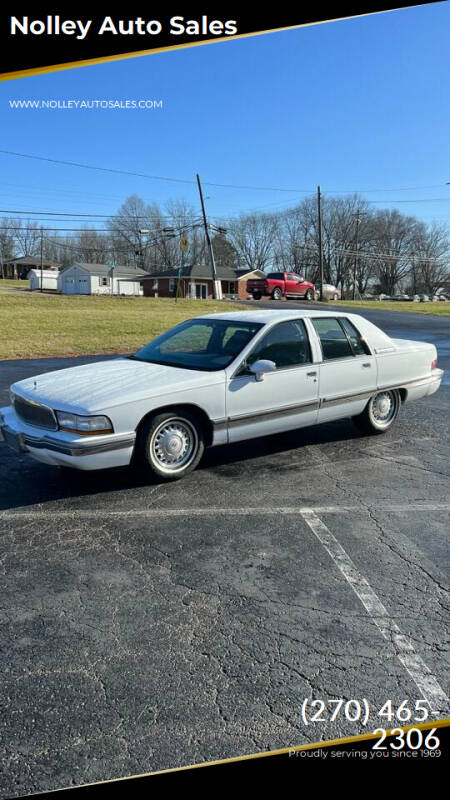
[380, 412]
[170, 444]
[309, 295]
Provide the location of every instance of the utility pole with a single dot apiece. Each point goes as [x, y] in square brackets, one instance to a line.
[319, 215]
[111, 272]
[183, 247]
[358, 220]
[216, 284]
[42, 262]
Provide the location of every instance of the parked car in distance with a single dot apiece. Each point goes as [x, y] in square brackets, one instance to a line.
[329, 292]
[218, 379]
[281, 284]
[401, 297]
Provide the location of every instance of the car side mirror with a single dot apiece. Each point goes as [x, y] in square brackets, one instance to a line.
[301, 278]
[259, 368]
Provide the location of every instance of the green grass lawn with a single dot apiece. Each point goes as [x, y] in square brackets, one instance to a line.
[442, 309]
[9, 283]
[35, 324]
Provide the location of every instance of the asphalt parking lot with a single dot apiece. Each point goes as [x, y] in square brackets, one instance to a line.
[146, 627]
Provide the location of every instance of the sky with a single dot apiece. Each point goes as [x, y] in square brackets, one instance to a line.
[354, 105]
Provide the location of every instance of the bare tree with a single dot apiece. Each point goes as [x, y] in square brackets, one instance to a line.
[253, 236]
[7, 244]
[27, 236]
[394, 235]
[432, 254]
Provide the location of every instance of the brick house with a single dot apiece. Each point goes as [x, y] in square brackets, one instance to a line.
[16, 268]
[195, 281]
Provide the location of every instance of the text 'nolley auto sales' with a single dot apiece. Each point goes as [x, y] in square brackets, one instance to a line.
[54, 25]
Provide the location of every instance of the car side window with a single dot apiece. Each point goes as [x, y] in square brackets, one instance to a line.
[334, 341]
[359, 346]
[287, 345]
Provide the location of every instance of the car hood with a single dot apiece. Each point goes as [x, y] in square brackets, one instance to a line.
[104, 384]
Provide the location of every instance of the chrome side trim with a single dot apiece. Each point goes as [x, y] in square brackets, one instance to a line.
[349, 398]
[416, 382]
[262, 416]
[346, 398]
[220, 425]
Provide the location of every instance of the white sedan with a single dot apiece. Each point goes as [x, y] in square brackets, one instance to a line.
[217, 379]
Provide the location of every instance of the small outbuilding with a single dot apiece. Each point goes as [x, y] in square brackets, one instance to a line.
[49, 279]
[84, 278]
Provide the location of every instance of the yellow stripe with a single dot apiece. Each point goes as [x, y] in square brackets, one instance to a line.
[26, 73]
[329, 743]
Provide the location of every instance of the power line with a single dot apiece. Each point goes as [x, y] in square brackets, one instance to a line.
[207, 183]
[95, 216]
[99, 169]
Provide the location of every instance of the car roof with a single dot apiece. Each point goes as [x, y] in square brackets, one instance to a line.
[374, 335]
[261, 315]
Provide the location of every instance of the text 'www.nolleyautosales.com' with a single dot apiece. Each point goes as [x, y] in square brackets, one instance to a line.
[110, 104]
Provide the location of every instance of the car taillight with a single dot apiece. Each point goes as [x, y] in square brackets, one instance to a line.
[434, 364]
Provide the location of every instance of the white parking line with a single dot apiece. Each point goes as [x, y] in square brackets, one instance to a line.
[81, 513]
[413, 663]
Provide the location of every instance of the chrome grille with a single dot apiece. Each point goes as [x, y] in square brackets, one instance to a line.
[34, 413]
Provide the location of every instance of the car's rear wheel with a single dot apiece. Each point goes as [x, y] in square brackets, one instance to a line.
[170, 444]
[335, 297]
[380, 412]
[256, 295]
[309, 295]
[276, 294]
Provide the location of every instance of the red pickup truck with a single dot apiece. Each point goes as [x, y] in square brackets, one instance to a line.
[281, 284]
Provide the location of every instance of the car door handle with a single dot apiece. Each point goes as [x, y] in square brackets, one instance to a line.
[367, 365]
[311, 374]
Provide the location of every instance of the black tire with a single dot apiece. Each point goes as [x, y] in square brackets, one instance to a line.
[256, 295]
[276, 294]
[309, 295]
[170, 444]
[380, 412]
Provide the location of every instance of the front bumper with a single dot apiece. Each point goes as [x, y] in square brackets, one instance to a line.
[65, 449]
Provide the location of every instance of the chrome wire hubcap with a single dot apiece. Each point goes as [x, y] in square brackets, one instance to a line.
[173, 444]
[383, 407]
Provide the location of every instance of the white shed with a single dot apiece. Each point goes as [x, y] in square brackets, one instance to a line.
[49, 279]
[84, 278]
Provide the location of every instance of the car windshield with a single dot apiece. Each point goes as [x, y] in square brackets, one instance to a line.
[202, 344]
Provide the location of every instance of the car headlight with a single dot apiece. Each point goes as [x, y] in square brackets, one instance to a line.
[73, 423]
